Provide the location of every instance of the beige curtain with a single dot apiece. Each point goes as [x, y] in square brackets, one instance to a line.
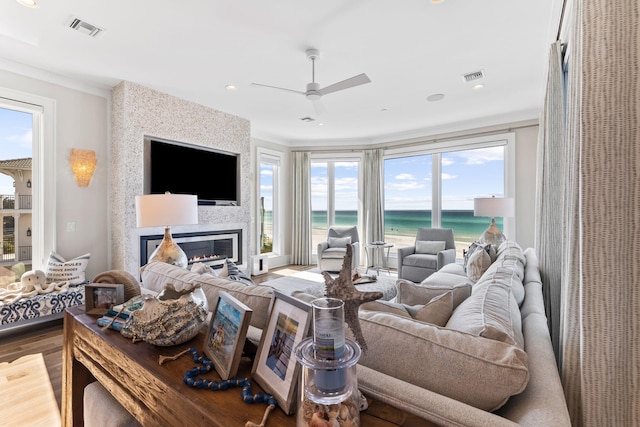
[600, 333]
[550, 193]
[372, 201]
[301, 215]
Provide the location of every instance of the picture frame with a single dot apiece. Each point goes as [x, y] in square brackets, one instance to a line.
[100, 297]
[226, 334]
[275, 368]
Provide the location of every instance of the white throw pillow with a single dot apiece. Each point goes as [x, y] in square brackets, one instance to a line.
[478, 263]
[60, 270]
[429, 246]
[339, 242]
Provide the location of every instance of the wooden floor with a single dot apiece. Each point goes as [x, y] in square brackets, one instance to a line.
[46, 338]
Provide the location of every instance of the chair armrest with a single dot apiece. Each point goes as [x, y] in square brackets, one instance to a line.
[401, 253]
[322, 246]
[445, 257]
[355, 260]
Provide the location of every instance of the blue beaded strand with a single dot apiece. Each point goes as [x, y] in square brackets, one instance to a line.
[207, 365]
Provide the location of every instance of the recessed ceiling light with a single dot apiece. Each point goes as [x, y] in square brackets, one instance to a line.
[435, 97]
[383, 110]
[29, 3]
[320, 124]
[436, 1]
[231, 87]
[478, 86]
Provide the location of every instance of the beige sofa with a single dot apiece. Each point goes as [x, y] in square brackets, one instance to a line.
[444, 374]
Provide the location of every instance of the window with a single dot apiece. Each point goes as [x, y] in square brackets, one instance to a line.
[435, 187]
[407, 198]
[16, 159]
[41, 112]
[268, 202]
[334, 196]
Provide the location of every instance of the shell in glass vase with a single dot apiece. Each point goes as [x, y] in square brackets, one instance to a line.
[172, 318]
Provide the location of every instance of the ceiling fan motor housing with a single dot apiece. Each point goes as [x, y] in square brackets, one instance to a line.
[313, 91]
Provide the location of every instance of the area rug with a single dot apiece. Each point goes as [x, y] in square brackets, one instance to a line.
[26, 393]
[312, 282]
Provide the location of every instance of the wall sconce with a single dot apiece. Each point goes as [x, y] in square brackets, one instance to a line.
[83, 163]
[28, 183]
[29, 232]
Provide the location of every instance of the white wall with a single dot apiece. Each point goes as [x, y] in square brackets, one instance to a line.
[82, 121]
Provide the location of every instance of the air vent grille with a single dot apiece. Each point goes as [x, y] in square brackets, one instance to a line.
[84, 27]
[470, 77]
[308, 119]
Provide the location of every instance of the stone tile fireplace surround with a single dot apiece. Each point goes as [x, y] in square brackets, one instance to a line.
[137, 112]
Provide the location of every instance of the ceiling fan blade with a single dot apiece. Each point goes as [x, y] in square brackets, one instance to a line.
[318, 106]
[358, 80]
[279, 88]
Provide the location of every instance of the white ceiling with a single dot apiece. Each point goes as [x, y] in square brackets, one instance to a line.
[410, 49]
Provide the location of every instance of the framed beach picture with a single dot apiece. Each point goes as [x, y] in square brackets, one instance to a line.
[100, 297]
[275, 368]
[227, 332]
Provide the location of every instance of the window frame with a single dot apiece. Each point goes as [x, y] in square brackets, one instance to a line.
[437, 148]
[43, 111]
[274, 158]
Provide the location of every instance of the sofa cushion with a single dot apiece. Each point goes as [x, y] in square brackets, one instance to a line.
[508, 277]
[386, 307]
[339, 242]
[421, 260]
[491, 312]
[477, 371]
[478, 262]
[429, 246]
[414, 294]
[156, 275]
[334, 253]
[437, 311]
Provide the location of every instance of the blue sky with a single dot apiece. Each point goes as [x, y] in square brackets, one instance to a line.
[15, 141]
[465, 175]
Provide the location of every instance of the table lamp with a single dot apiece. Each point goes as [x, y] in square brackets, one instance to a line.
[493, 207]
[165, 210]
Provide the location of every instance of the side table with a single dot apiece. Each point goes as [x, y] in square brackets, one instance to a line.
[377, 252]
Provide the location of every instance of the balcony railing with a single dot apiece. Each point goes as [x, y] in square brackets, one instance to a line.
[9, 250]
[9, 201]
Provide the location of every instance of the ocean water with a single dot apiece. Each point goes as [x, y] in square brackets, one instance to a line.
[406, 222]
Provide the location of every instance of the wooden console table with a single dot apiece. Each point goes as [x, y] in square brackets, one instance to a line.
[156, 395]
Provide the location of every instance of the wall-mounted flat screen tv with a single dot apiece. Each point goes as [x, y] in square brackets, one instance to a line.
[179, 168]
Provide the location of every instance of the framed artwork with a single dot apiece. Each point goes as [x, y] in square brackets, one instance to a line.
[275, 368]
[227, 332]
[100, 297]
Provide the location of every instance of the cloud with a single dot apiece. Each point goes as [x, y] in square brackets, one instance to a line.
[403, 186]
[266, 172]
[25, 139]
[448, 176]
[482, 155]
[346, 184]
[405, 176]
[447, 161]
[268, 188]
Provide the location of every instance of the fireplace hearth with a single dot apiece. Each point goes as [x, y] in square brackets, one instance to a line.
[207, 247]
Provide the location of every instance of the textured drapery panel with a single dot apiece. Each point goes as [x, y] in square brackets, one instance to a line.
[550, 193]
[601, 298]
[372, 201]
[301, 248]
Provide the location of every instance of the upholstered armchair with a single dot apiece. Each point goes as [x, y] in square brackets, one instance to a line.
[331, 253]
[434, 249]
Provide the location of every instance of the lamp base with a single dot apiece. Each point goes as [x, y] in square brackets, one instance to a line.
[492, 235]
[169, 252]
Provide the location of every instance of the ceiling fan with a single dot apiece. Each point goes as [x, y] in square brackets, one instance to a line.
[314, 92]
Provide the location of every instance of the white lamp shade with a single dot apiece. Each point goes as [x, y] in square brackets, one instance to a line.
[494, 207]
[162, 210]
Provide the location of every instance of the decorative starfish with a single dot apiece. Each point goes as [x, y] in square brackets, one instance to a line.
[342, 288]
